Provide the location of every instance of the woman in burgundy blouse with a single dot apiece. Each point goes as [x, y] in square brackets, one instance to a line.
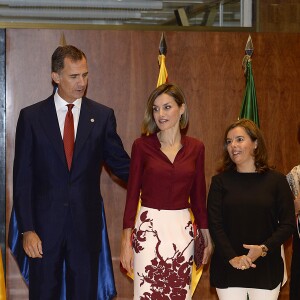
[167, 174]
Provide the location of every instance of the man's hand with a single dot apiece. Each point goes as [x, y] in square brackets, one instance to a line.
[32, 244]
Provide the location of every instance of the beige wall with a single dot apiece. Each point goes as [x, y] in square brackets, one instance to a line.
[123, 71]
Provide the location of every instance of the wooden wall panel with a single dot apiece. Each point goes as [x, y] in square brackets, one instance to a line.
[123, 71]
[279, 16]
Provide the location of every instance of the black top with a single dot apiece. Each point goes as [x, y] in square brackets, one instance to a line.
[249, 208]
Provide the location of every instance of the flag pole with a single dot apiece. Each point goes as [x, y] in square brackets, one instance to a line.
[249, 109]
[163, 74]
[162, 78]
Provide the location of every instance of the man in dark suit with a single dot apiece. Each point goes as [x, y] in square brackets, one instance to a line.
[61, 145]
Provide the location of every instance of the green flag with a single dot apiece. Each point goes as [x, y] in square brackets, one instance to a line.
[249, 108]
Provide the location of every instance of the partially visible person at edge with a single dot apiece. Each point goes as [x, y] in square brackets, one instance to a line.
[293, 178]
[251, 214]
[57, 195]
[167, 169]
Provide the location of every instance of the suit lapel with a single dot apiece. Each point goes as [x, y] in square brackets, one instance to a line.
[49, 123]
[85, 124]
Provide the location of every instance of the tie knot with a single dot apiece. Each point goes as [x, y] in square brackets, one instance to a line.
[70, 106]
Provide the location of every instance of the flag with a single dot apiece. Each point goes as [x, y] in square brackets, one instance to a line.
[249, 109]
[106, 281]
[163, 74]
[2, 280]
[163, 78]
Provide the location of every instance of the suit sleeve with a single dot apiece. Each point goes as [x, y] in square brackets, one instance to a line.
[22, 174]
[134, 187]
[115, 155]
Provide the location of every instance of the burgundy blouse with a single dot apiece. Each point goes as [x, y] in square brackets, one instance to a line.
[166, 185]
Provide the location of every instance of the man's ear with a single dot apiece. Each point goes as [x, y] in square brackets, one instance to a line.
[55, 77]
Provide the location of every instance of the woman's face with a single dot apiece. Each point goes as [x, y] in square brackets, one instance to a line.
[240, 148]
[166, 112]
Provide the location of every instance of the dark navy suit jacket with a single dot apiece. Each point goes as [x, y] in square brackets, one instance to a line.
[45, 189]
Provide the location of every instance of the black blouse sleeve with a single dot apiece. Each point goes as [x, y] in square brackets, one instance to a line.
[285, 214]
[215, 219]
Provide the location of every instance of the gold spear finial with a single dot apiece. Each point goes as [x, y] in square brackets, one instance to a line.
[249, 49]
[249, 46]
[62, 41]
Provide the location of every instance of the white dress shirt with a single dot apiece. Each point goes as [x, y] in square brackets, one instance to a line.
[61, 111]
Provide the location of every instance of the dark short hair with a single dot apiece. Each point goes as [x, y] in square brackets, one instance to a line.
[171, 89]
[61, 52]
[260, 153]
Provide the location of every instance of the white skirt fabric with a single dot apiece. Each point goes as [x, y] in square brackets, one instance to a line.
[163, 248]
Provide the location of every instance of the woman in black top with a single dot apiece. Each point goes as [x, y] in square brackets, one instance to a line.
[251, 214]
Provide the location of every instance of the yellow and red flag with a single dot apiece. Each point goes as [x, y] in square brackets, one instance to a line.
[163, 74]
[163, 78]
[2, 280]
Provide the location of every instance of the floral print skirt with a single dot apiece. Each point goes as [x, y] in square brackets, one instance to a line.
[163, 247]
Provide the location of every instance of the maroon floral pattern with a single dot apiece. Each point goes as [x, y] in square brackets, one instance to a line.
[170, 277]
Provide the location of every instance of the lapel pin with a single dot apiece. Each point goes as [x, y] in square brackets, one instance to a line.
[92, 120]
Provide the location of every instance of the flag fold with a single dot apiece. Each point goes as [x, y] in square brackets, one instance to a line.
[249, 109]
[106, 282]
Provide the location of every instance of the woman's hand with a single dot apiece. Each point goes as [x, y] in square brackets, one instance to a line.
[242, 262]
[126, 255]
[208, 246]
[255, 251]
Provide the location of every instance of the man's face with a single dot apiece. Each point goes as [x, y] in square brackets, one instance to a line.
[72, 79]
